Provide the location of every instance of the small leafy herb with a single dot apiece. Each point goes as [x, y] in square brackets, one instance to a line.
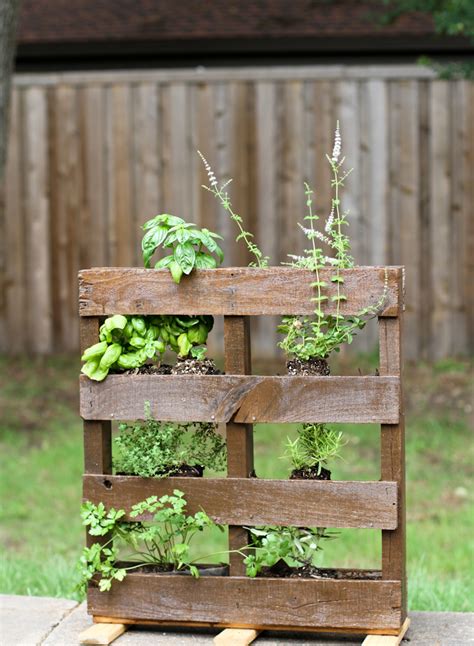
[296, 546]
[190, 247]
[163, 541]
[159, 449]
[222, 195]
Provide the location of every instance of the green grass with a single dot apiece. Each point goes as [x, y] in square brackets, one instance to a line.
[41, 466]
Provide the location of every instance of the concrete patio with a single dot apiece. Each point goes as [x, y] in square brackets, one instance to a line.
[35, 621]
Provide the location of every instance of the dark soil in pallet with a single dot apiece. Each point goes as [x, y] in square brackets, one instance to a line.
[184, 471]
[310, 367]
[150, 369]
[195, 367]
[310, 473]
[282, 570]
[204, 569]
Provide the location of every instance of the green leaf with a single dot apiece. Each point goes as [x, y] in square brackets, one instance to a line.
[205, 261]
[184, 345]
[94, 351]
[164, 262]
[185, 256]
[176, 271]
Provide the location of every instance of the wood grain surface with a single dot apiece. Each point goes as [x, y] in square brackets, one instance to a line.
[252, 501]
[244, 602]
[230, 291]
[242, 399]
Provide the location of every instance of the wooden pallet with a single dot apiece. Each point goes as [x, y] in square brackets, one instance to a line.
[239, 400]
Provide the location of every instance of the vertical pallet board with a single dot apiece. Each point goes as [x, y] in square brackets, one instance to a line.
[97, 433]
[237, 359]
[393, 454]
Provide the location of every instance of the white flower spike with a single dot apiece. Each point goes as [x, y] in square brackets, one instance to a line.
[336, 151]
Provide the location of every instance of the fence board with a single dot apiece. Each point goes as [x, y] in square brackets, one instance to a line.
[15, 338]
[242, 399]
[38, 313]
[251, 501]
[131, 154]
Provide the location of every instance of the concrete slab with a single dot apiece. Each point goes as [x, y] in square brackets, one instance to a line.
[41, 621]
[27, 621]
[427, 629]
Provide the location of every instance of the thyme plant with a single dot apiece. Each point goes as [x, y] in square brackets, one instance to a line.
[222, 195]
[153, 449]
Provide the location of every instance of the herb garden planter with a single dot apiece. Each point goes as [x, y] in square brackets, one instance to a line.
[372, 603]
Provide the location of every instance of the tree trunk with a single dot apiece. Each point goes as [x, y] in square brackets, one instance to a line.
[9, 10]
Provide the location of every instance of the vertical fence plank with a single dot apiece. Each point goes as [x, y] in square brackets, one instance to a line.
[468, 269]
[119, 202]
[266, 135]
[424, 305]
[460, 214]
[94, 232]
[176, 153]
[66, 205]
[441, 221]
[291, 187]
[37, 221]
[14, 338]
[146, 201]
[407, 213]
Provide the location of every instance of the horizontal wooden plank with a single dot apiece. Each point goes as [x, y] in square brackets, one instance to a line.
[242, 398]
[251, 501]
[231, 291]
[210, 75]
[257, 603]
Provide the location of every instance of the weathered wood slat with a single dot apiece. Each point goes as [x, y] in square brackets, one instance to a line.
[239, 437]
[229, 291]
[242, 399]
[258, 603]
[251, 501]
[392, 446]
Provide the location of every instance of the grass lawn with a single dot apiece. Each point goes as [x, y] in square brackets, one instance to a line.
[41, 465]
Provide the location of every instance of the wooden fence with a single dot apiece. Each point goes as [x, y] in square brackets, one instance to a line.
[93, 155]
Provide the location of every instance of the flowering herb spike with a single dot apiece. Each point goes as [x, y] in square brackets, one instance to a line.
[222, 195]
[317, 336]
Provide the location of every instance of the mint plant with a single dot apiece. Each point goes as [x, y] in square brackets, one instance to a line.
[222, 195]
[308, 337]
[153, 449]
[189, 246]
[162, 541]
